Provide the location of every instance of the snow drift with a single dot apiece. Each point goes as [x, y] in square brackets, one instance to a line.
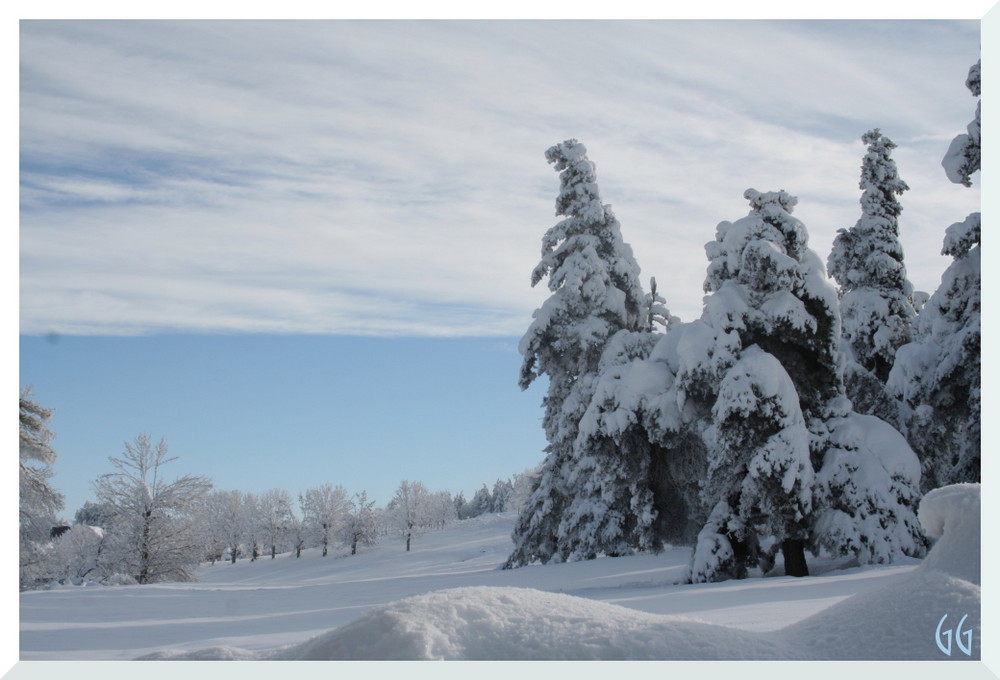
[897, 622]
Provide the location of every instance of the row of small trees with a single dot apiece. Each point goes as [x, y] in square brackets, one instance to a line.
[145, 527]
[776, 421]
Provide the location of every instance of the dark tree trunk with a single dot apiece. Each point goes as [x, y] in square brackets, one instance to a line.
[794, 552]
[273, 550]
[354, 544]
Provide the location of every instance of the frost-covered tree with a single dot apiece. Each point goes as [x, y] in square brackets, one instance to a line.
[155, 530]
[298, 535]
[225, 522]
[441, 509]
[523, 484]
[658, 316]
[481, 503]
[500, 497]
[595, 292]
[275, 519]
[876, 299]
[324, 510]
[78, 556]
[39, 502]
[409, 509]
[360, 526]
[254, 525]
[938, 375]
[94, 515]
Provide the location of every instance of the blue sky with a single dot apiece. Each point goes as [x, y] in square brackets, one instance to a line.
[259, 411]
[301, 251]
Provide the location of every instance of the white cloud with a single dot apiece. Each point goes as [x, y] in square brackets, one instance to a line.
[388, 177]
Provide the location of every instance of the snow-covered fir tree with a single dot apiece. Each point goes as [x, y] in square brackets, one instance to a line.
[503, 490]
[594, 281]
[769, 298]
[759, 474]
[612, 511]
[938, 375]
[962, 160]
[876, 299]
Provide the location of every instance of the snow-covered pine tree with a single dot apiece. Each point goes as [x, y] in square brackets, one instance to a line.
[767, 289]
[500, 497]
[876, 299]
[938, 375]
[962, 160]
[611, 511]
[759, 475]
[657, 313]
[480, 504]
[594, 281]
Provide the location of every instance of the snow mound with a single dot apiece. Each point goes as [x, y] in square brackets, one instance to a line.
[489, 623]
[899, 621]
[953, 513]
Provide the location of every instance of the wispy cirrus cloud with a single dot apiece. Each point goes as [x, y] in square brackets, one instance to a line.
[388, 177]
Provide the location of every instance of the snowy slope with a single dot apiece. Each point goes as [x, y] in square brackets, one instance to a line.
[386, 603]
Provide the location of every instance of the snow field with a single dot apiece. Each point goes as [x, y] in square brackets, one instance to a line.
[447, 600]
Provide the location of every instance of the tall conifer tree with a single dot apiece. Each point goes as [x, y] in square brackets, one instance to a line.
[876, 299]
[594, 281]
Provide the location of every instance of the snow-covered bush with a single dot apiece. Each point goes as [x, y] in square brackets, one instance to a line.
[867, 492]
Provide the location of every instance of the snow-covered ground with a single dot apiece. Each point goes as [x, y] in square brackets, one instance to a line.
[447, 598]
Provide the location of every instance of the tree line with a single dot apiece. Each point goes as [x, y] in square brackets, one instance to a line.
[146, 527]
